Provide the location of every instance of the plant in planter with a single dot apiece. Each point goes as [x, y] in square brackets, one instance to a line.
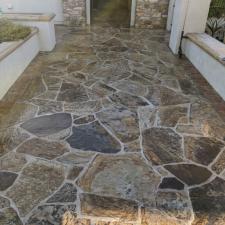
[12, 32]
[215, 25]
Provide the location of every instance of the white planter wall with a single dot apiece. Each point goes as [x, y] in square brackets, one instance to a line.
[13, 64]
[34, 6]
[46, 34]
[208, 66]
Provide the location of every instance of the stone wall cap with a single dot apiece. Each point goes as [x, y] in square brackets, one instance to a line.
[6, 48]
[29, 16]
[210, 45]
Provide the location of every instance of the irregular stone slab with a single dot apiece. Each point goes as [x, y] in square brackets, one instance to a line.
[124, 176]
[42, 148]
[6, 180]
[131, 87]
[78, 158]
[48, 107]
[93, 137]
[113, 42]
[10, 138]
[165, 96]
[208, 202]
[147, 117]
[190, 174]
[74, 172]
[76, 77]
[133, 146]
[83, 120]
[101, 90]
[162, 146]
[112, 73]
[9, 217]
[12, 162]
[171, 84]
[76, 66]
[112, 223]
[70, 92]
[147, 72]
[122, 122]
[48, 125]
[99, 206]
[188, 87]
[53, 82]
[53, 214]
[170, 116]
[11, 114]
[202, 150]
[203, 114]
[37, 181]
[219, 165]
[128, 100]
[189, 129]
[151, 216]
[82, 108]
[171, 183]
[174, 204]
[48, 95]
[4, 203]
[141, 80]
[67, 193]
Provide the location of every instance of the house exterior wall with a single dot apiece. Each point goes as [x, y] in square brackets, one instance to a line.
[74, 12]
[149, 13]
[152, 13]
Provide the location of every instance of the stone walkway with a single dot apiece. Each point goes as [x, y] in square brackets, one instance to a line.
[111, 129]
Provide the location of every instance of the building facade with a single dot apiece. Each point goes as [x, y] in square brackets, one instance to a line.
[149, 13]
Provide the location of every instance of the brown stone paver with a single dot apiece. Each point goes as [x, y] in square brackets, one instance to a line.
[112, 128]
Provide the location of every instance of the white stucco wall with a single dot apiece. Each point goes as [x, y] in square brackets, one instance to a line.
[34, 6]
[208, 66]
[170, 15]
[189, 16]
[13, 65]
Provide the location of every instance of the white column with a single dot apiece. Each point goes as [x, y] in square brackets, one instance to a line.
[88, 12]
[133, 13]
[170, 15]
[189, 16]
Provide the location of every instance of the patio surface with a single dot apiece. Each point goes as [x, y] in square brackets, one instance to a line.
[112, 129]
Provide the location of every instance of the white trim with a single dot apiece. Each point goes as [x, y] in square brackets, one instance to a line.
[88, 12]
[133, 13]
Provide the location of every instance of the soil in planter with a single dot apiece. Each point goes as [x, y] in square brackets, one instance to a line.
[12, 32]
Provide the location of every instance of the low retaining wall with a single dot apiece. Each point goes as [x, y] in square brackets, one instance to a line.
[44, 23]
[14, 59]
[208, 56]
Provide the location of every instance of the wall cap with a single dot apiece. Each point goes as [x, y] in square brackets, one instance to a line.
[41, 17]
[210, 45]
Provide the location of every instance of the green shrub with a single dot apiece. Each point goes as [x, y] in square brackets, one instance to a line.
[12, 32]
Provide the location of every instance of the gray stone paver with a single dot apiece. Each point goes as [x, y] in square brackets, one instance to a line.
[110, 129]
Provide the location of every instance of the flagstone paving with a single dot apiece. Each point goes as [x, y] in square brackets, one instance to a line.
[111, 129]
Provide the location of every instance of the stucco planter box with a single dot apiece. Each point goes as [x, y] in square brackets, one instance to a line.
[44, 22]
[14, 59]
[208, 56]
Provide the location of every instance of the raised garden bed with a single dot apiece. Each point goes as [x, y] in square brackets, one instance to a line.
[17, 50]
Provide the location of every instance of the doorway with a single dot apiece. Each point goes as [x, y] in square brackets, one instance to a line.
[117, 13]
